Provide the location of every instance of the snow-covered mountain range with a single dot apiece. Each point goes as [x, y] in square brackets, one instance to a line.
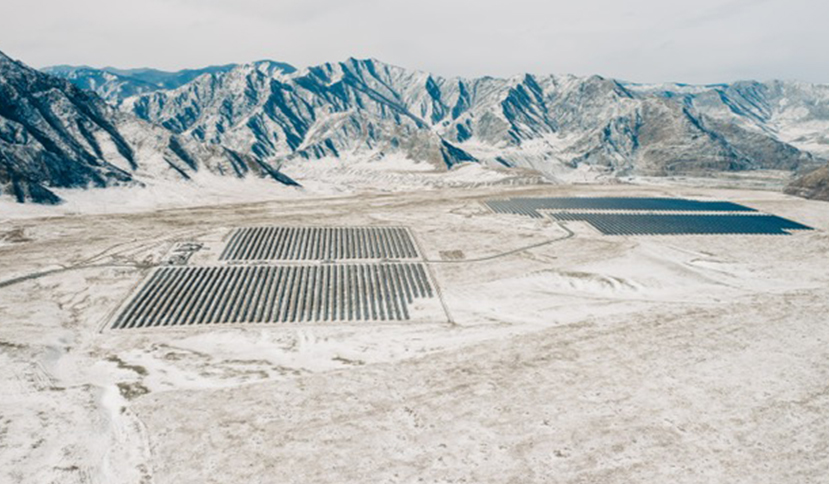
[115, 85]
[547, 123]
[271, 113]
[55, 135]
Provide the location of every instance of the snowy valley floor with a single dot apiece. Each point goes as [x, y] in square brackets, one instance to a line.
[592, 359]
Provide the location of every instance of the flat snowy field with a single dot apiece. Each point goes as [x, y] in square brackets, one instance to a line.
[592, 359]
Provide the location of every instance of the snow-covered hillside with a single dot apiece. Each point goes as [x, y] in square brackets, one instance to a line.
[115, 85]
[54, 135]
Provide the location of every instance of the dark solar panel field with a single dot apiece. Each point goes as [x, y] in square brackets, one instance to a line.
[176, 296]
[682, 224]
[320, 243]
[651, 216]
[530, 206]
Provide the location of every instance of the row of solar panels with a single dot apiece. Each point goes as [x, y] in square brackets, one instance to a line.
[531, 206]
[618, 215]
[320, 243]
[176, 296]
[679, 224]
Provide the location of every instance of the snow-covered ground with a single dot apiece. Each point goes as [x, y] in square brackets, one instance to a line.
[590, 359]
[319, 178]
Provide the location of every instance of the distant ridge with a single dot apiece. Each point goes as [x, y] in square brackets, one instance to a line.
[114, 84]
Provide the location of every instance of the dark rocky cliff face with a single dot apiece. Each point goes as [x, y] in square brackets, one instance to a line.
[813, 185]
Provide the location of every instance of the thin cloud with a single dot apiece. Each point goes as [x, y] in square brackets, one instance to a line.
[640, 40]
[724, 12]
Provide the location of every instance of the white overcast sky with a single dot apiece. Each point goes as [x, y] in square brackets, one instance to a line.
[639, 40]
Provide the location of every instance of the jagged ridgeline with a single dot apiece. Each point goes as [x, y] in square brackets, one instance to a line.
[542, 122]
[237, 119]
[54, 135]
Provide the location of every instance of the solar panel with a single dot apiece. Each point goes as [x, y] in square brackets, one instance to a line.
[530, 206]
[320, 243]
[678, 224]
[175, 296]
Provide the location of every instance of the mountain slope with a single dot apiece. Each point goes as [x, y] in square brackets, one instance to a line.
[331, 110]
[812, 185]
[548, 123]
[56, 135]
[111, 87]
[115, 85]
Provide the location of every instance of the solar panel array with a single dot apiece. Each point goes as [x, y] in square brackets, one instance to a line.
[320, 243]
[176, 296]
[682, 224]
[650, 216]
[515, 207]
[531, 206]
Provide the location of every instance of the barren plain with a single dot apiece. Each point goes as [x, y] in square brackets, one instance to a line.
[553, 354]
